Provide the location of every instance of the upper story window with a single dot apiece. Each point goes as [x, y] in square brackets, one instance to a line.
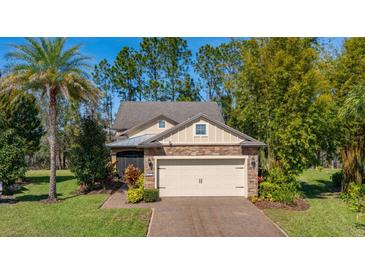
[201, 129]
[161, 124]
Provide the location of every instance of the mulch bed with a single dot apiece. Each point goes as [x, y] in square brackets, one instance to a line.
[299, 205]
[105, 188]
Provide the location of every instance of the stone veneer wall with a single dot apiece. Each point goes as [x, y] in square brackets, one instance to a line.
[215, 150]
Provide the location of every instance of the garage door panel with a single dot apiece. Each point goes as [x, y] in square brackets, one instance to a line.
[201, 177]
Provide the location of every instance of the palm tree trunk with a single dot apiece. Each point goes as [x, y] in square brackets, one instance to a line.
[52, 196]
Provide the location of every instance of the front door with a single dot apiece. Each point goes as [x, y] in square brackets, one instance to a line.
[131, 157]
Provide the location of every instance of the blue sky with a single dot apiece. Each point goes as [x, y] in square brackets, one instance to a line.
[108, 48]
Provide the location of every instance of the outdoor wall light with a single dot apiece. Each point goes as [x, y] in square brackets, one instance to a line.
[253, 162]
[150, 163]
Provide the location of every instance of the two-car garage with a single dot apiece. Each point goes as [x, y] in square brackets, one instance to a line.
[201, 176]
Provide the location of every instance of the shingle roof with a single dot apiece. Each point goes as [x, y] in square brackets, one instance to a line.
[131, 142]
[131, 114]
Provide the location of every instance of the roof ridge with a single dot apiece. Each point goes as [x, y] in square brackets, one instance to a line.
[132, 113]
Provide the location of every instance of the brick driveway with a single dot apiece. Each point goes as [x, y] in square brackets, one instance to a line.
[206, 216]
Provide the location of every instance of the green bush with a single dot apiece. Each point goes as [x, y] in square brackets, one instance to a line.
[337, 179]
[135, 195]
[267, 189]
[140, 180]
[12, 161]
[151, 195]
[355, 196]
[283, 193]
[89, 157]
[278, 176]
[279, 187]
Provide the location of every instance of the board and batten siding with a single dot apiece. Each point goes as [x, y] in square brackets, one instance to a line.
[215, 135]
[151, 128]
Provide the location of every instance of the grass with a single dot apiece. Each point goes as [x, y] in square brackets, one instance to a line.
[71, 216]
[328, 215]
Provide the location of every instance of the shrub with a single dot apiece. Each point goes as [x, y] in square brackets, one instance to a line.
[135, 195]
[284, 193]
[151, 195]
[337, 179]
[355, 196]
[131, 176]
[12, 161]
[267, 189]
[279, 187]
[254, 199]
[277, 176]
[89, 157]
[140, 180]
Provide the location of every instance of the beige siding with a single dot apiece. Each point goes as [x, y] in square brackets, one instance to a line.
[216, 135]
[151, 128]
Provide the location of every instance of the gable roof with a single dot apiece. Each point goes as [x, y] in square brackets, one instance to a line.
[248, 140]
[141, 126]
[131, 114]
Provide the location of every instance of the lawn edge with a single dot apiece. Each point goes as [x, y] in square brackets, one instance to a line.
[275, 224]
[150, 223]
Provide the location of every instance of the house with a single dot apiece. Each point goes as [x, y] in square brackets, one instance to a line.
[185, 149]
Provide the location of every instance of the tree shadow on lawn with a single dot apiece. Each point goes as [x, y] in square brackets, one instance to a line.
[31, 198]
[45, 179]
[322, 189]
[41, 197]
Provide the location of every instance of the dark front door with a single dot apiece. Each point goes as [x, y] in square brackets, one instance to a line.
[126, 158]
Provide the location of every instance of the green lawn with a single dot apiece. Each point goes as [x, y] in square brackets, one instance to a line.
[327, 216]
[71, 216]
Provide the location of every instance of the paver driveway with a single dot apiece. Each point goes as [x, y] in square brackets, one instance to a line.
[210, 216]
[203, 216]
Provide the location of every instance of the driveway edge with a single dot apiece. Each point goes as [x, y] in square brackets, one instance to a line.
[150, 223]
[276, 225]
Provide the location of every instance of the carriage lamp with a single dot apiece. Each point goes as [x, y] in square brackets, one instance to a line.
[253, 162]
[150, 163]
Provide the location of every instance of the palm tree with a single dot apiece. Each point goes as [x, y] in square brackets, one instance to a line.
[352, 113]
[45, 66]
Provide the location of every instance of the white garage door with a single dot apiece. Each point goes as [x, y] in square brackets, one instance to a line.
[201, 177]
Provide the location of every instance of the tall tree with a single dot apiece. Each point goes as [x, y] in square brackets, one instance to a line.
[352, 112]
[68, 125]
[176, 59]
[127, 75]
[189, 92]
[278, 89]
[46, 66]
[348, 81]
[89, 156]
[103, 80]
[21, 113]
[208, 67]
[230, 65]
[150, 50]
[218, 67]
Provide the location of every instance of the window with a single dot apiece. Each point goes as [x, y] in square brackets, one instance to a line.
[200, 129]
[161, 124]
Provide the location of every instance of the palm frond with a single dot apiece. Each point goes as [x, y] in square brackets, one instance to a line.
[44, 63]
[353, 106]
